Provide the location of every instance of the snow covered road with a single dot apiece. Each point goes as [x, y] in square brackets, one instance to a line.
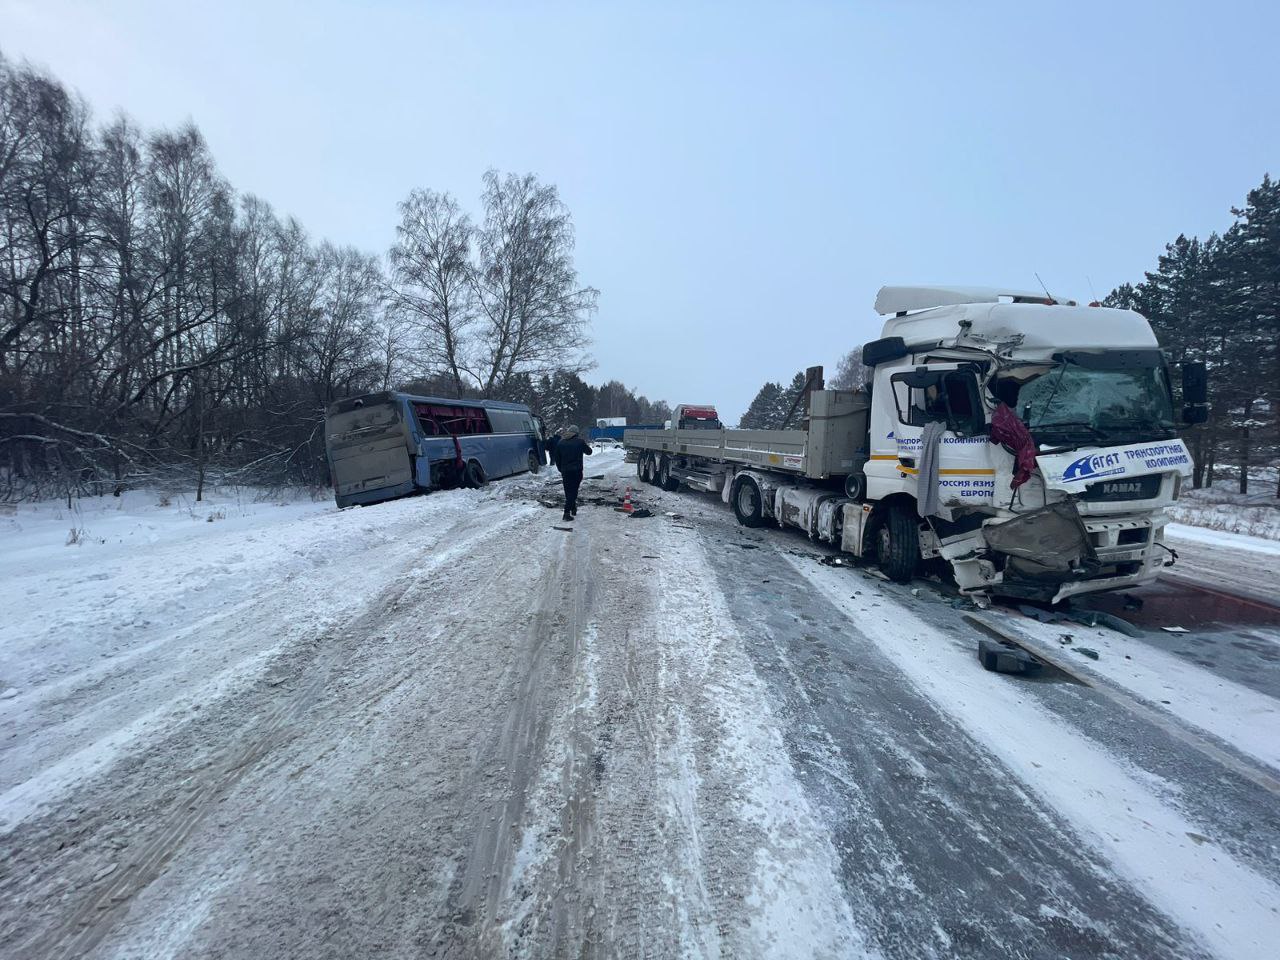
[443, 727]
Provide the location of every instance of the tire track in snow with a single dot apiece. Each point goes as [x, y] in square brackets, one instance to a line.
[110, 697]
[1230, 908]
[99, 908]
[940, 852]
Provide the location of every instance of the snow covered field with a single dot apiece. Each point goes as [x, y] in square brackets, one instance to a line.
[1223, 507]
[444, 727]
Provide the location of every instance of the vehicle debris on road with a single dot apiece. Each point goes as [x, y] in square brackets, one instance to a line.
[1003, 657]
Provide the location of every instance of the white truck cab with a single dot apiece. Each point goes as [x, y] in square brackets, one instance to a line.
[1092, 387]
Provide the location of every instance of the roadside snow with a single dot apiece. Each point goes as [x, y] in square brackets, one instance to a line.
[1230, 562]
[1243, 718]
[1221, 538]
[1230, 907]
[156, 612]
[1223, 507]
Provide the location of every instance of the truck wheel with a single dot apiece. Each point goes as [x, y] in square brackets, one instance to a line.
[651, 470]
[747, 505]
[898, 544]
[640, 467]
[665, 480]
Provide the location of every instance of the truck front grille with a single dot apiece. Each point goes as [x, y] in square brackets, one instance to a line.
[1123, 488]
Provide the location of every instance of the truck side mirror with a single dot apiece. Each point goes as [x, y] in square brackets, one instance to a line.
[1195, 392]
[883, 351]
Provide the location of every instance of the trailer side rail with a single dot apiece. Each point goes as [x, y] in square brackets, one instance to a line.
[773, 449]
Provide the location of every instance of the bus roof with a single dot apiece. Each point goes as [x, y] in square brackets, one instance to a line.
[387, 396]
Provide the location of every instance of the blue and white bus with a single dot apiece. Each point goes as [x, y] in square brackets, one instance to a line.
[386, 445]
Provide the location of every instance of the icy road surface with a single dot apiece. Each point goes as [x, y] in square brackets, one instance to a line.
[444, 727]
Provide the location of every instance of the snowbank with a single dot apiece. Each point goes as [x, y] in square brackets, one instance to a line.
[1223, 507]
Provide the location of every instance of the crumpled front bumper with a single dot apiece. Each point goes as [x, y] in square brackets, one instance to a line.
[1056, 553]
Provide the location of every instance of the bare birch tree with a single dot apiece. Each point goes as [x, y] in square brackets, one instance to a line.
[534, 314]
[432, 285]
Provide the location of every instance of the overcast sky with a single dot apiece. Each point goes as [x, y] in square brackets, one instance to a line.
[743, 178]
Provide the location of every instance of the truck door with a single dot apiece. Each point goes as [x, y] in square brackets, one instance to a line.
[949, 394]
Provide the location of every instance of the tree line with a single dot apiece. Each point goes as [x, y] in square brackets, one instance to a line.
[1217, 300]
[154, 322]
[776, 407]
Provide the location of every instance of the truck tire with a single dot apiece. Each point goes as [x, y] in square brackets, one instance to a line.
[665, 480]
[640, 466]
[748, 506]
[651, 470]
[898, 544]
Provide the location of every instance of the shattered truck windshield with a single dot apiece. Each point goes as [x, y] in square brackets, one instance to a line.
[1097, 398]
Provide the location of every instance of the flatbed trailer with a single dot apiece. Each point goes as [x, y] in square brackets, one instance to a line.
[831, 446]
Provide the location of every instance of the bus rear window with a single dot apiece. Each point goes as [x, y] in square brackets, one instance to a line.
[362, 419]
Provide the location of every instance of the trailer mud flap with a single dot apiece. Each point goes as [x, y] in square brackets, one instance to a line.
[1046, 546]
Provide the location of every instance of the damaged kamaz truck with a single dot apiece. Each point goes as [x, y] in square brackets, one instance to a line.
[1030, 443]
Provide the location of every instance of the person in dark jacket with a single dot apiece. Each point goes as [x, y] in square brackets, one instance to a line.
[569, 453]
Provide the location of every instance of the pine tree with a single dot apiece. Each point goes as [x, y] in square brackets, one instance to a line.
[1218, 301]
[763, 410]
[1251, 273]
[790, 414]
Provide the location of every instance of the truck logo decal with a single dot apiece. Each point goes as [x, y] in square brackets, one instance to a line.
[1160, 455]
[1156, 456]
[1093, 466]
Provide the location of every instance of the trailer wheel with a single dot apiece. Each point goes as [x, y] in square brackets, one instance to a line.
[747, 504]
[898, 544]
[665, 480]
[640, 466]
[651, 470]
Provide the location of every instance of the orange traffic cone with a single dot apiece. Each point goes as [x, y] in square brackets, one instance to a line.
[626, 501]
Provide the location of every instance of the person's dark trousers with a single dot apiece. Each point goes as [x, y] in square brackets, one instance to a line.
[572, 480]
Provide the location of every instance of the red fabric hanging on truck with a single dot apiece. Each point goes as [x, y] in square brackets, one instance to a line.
[1009, 430]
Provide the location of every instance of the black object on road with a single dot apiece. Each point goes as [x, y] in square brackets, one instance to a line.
[1002, 658]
